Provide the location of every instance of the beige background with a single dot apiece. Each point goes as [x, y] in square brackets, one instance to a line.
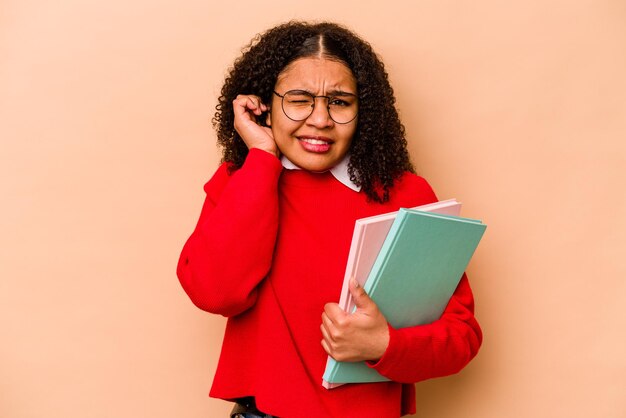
[516, 108]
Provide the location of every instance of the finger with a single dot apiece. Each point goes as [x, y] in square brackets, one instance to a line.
[334, 312]
[258, 104]
[325, 334]
[255, 104]
[240, 108]
[243, 98]
[326, 347]
[248, 102]
[328, 328]
[361, 299]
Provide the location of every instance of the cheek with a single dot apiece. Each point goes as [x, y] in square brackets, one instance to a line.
[282, 130]
[348, 134]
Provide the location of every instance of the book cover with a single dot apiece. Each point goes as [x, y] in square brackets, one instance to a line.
[367, 239]
[415, 273]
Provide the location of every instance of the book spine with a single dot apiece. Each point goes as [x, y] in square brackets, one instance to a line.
[385, 251]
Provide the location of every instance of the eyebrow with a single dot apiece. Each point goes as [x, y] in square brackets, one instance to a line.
[340, 93]
[330, 93]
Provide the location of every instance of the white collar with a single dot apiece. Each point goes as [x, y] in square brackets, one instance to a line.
[340, 171]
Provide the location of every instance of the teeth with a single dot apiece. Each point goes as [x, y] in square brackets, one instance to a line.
[314, 141]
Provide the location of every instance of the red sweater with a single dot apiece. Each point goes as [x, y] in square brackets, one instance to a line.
[268, 252]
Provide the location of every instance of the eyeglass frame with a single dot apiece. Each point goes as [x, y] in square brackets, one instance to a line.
[282, 104]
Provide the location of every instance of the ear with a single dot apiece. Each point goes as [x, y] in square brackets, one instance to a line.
[268, 118]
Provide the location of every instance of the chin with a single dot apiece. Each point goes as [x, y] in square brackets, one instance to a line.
[314, 166]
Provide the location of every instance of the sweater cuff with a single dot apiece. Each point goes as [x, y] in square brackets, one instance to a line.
[395, 353]
[260, 161]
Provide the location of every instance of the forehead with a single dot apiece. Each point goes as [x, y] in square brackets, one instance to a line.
[317, 75]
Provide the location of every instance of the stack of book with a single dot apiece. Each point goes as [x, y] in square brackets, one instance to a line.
[409, 262]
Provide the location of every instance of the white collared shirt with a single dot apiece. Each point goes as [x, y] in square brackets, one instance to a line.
[340, 171]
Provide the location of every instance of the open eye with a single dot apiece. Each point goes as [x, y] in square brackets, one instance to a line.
[335, 101]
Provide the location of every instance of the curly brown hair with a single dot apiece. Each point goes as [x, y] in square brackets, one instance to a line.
[378, 153]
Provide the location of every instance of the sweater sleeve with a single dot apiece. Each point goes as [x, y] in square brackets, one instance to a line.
[437, 349]
[230, 250]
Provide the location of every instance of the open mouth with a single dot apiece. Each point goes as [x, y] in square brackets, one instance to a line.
[315, 144]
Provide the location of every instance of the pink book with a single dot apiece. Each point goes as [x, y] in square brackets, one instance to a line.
[367, 239]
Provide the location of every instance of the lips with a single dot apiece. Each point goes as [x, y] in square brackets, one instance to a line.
[318, 144]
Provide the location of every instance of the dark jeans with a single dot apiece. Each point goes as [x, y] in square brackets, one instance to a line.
[246, 408]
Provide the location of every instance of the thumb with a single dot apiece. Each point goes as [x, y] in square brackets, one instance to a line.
[361, 299]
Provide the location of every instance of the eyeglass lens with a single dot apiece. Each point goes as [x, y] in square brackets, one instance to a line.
[298, 105]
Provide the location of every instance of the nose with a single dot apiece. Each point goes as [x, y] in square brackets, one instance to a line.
[320, 117]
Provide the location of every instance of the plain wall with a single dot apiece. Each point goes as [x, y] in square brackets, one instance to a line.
[518, 109]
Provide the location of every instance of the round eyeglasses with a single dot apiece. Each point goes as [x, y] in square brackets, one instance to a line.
[298, 105]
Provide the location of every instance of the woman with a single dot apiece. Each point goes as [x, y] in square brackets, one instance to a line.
[311, 142]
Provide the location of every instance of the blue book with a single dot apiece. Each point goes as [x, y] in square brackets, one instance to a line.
[416, 272]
